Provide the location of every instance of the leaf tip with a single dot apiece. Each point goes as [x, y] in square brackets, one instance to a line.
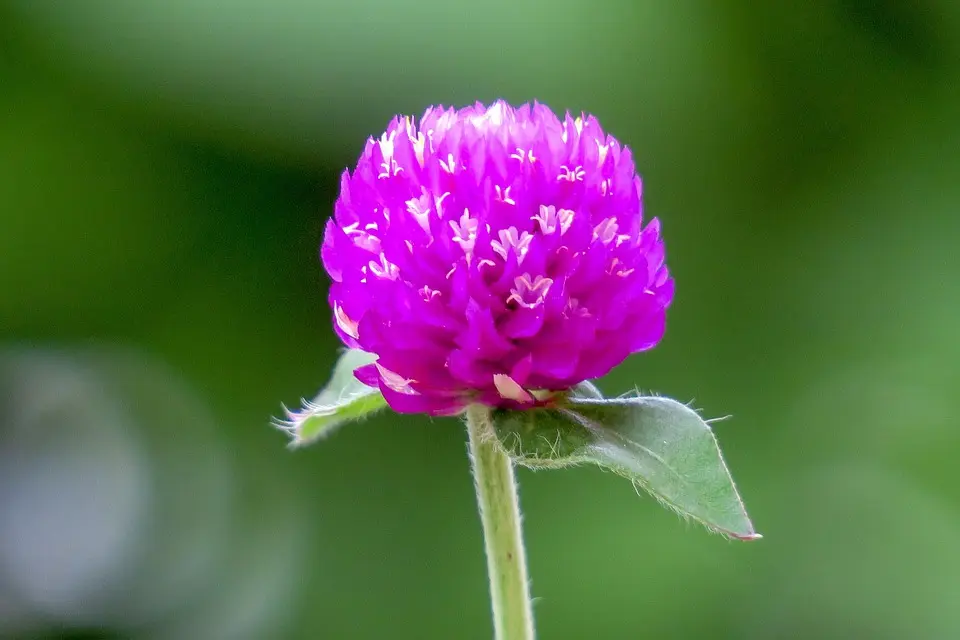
[749, 537]
[746, 534]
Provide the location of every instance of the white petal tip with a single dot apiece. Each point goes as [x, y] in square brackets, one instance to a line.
[509, 389]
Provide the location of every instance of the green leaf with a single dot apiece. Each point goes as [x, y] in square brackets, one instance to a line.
[344, 399]
[586, 389]
[669, 450]
[541, 438]
[660, 444]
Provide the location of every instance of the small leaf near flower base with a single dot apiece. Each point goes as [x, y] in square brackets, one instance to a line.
[586, 389]
[658, 443]
[344, 399]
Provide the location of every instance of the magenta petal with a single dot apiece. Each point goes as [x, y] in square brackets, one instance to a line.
[482, 339]
[418, 403]
[346, 338]
[557, 364]
[368, 375]
[524, 322]
[653, 329]
[493, 244]
[475, 374]
[521, 370]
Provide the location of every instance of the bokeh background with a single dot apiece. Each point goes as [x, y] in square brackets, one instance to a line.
[165, 172]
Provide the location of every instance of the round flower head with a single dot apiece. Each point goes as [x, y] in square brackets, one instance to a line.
[491, 254]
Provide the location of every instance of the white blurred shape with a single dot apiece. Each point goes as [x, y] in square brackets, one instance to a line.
[73, 487]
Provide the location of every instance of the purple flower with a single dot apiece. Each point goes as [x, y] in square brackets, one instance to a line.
[492, 255]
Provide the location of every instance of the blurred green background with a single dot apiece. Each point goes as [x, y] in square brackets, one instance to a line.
[165, 172]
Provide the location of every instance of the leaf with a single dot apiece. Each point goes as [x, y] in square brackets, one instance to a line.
[344, 399]
[586, 389]
[669, 450]
[541, 438]
[658, 443]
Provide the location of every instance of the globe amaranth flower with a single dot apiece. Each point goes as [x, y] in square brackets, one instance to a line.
[493, 254]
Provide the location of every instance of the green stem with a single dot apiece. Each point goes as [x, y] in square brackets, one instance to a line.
[500, 513]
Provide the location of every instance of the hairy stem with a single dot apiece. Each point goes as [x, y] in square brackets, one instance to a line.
[503, 537]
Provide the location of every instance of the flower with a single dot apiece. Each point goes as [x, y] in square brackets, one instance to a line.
[493, 254]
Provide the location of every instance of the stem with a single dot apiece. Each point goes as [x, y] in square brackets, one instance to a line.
[503, 537]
